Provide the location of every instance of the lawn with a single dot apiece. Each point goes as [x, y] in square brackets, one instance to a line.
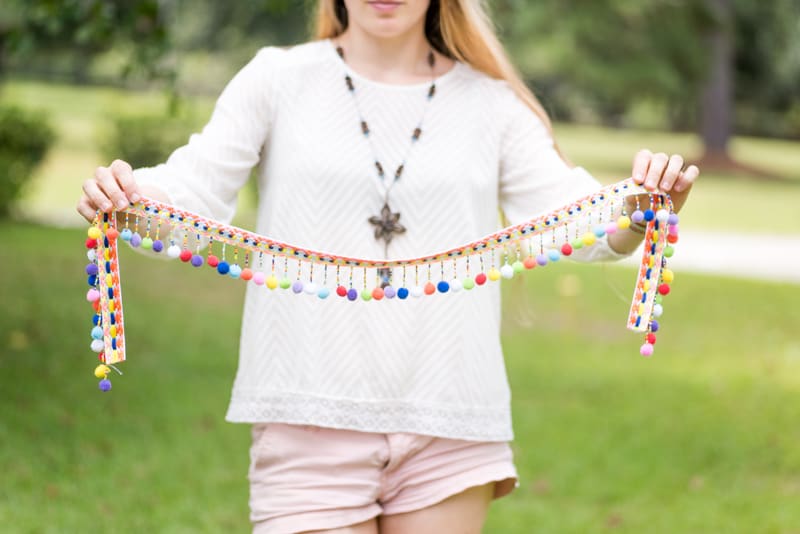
[702, 437]
[719, 203]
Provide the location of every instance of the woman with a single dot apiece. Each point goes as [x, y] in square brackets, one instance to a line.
[399, 132]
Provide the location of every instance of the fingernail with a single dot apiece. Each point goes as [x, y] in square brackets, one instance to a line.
[105, 206]
[121, 203]
[639, 177]
[135, 197]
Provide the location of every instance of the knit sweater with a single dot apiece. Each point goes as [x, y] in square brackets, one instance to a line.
[430, 365]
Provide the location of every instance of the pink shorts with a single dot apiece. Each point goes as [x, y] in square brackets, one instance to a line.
[311, 478]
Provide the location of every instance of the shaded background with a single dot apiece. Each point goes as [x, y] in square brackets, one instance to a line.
[701, 438]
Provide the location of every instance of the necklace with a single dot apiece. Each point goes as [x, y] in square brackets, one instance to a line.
[388, 222]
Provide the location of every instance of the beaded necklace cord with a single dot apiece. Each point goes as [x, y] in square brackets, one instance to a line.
[530, 245]
[388, 222]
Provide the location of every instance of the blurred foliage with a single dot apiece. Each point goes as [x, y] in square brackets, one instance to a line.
[616, 62]
[144, 140]
[602, 60]
[25, 138]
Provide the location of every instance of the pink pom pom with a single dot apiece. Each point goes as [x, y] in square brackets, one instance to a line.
[93, 295]
[646, 350]
[672, 229]
[259, 278]
[611, 228]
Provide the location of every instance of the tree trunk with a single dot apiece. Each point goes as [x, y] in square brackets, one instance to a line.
[717, 98]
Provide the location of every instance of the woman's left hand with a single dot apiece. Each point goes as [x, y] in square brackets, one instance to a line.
[665, 174]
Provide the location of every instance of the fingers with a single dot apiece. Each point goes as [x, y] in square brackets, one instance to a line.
[108, 183]
[641, 162]
[658, 164]
[687, 178]
[112, 186]
[86, 210]
[124, 175]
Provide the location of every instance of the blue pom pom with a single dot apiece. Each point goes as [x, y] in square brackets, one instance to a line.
[96, 319]
[323, 292]
[92, 280]
[97, 333]
[599, 231]
[105, 384]
[223, 267]
[235, 271]
[443, 287]
[402, 293]
[126, 234]
[553, 255]
[649, 215]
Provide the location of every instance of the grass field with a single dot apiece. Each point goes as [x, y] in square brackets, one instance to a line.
[701, 438]
[719, 202]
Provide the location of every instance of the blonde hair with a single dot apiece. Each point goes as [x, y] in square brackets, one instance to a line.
[459, 29]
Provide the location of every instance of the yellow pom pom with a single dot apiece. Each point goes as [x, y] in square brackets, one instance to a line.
[101, 371]
[589, 239]
[272, 282]
[494, 274]
[95, 233]
[667, 276]
[624, 222]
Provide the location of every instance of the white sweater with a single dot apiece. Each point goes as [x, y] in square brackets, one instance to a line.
[432, 365]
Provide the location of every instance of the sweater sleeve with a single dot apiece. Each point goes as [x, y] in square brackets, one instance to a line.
[206, 174]
[535, 179]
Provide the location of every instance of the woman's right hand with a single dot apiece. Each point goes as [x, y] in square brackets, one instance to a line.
[112, 187]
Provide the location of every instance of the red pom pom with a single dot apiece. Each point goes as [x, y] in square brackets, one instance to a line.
[341, 291]
[480, 279]
[663, 289]
[186, 255]
[530, 262]
[566, 249]
[377, 293]
[430, 289]
[672, 238]
[212, 261]
[112, 234]
[247, 274]
[91, 243]
[651, 338]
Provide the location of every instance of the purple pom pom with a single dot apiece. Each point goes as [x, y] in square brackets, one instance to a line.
[91, 269]
[637, 216]
[654, 326]
[136, 239]
[389, 292]
[105, 384]
[352, 294]
[673, 218]
[158, 245]
[297, 287]
[197, 260]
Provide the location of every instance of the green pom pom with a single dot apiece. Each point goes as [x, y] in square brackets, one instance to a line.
[366, 294]
[668, 251]
[518, 267]
[285, 283]
[468, 283]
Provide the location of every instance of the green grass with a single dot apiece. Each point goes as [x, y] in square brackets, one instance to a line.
[80, 113]
[702, 437]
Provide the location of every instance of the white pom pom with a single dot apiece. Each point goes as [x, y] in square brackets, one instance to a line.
[174, 251]
[97, 345]
[416, 291]
[91, 254]
[456, 285]
[662, 215]
[507, 271]
[310, 288]
[657, 310]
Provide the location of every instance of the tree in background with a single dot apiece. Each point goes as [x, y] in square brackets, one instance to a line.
[702, 61]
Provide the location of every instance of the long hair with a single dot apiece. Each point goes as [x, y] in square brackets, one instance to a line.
[459, 29]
